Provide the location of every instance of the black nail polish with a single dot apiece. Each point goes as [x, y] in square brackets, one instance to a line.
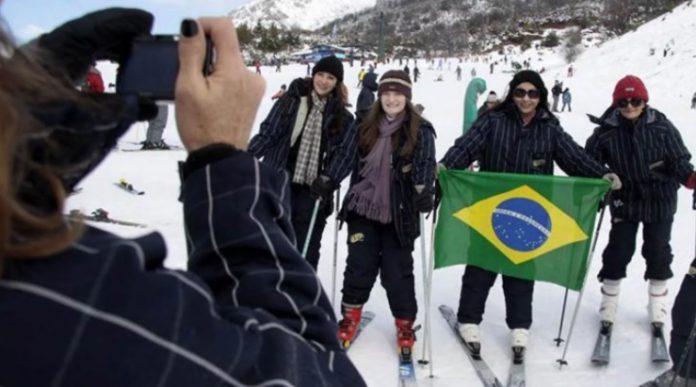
[189, 28]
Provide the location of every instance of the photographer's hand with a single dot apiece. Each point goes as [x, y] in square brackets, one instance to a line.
[221, 107]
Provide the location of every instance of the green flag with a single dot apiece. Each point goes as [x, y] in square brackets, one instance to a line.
[525, 226]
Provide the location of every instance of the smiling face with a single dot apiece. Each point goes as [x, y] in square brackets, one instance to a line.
[324, 83]
[524, 103]
[393, 103]
[631, 112]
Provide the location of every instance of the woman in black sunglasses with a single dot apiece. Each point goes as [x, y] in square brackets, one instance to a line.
[520, 135]
[643, 147]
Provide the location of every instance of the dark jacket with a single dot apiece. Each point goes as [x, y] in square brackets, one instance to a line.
[406, 173]
[367, 95]
[683, 319]
[649, 157]
[105, 312]
[502, 144]
[272, 143]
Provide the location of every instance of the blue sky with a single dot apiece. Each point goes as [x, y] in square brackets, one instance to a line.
[28, 18]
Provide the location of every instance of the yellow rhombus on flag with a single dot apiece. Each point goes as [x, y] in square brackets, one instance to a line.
[548, 230]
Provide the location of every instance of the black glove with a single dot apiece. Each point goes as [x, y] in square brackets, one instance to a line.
[423, 201]
[438, 194]
[102, 35]
[322, 187]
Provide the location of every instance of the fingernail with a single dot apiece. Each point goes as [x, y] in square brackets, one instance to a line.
[189, 28]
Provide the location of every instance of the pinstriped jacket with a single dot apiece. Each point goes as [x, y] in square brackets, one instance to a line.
[272, 143]
[502, 144]
[249, 310]
[649, 157]
[406, 173]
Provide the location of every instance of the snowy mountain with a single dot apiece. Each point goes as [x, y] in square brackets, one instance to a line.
[303, 14]
[671, 81]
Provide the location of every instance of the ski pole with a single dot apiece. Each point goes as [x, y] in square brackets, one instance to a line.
[562, 361]
[431, 268]
[315, 212]
[558, 339]
[423, 359]
[335, 250]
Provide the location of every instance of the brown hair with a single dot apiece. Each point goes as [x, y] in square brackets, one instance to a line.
[340, 95]
[369, 129]
[26, 231]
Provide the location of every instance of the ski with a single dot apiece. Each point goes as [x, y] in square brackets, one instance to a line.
[407, 372]
[658, 349]
[483, 371]
[365, 320]
[126, 186]
[100, 215]
[602, 348]
[516, 376]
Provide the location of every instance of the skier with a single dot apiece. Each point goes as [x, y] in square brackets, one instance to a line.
[473, 72]
[495, 139]
[361, 75]
[492, 67]
[155, 130]
[102, 310]
[93, 82]
[280, 92]
[458, 70]
[257, 64]
[391, 154]
[299, 135]
[416, 75]
[407, 70]
[570, 71]
[643, 147]
[693, 101]
[367, 95]
[567, 97]
[556, 91]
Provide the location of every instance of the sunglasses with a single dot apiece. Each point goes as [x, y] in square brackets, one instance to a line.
[520, 93]
[634, 102]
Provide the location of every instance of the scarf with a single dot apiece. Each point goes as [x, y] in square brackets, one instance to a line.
[307, 164]
[371, 196]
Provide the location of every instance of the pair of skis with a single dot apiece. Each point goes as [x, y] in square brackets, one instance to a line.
[101, 215]
[602, 350]
[128, 187]
[406, 370]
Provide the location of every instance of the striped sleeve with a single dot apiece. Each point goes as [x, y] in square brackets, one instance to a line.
[345, 155]
[270, 129]
[573, 159]
[424, 162]
[592, 147]
[677, 154]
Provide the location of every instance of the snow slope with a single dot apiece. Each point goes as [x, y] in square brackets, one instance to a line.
[671, 82]
[305, 14]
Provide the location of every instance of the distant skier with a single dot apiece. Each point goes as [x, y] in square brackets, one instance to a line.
[492, 67]
[361, 75]
[93, 82]
[366, 98]
[473, 72]
[458, 70]
[693, 101]
[494, 140]
[570, 71]
[651, 165]
[567, 97]
[556, 91]
[416, 74]
[382, 204]
[257, 64]
[407, 70]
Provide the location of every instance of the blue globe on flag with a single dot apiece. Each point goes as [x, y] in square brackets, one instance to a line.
[521, 224]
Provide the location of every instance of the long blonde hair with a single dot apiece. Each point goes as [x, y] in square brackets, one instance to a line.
[25, 230]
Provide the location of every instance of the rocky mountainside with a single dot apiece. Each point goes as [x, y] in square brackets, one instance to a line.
[297, 14]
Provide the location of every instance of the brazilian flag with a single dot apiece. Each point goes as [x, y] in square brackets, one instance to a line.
[526, 226]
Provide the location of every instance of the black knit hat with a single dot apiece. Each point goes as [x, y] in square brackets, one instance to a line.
[395, 80]
[331, 65]
[535, 79]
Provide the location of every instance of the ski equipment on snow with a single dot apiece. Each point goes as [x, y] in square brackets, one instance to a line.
[658, 349]
[128, 187]
[483, 371]
[365, 320]
[602, 348]
[516, 375]
[101, 215]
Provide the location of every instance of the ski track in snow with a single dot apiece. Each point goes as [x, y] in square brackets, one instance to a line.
[671, 82]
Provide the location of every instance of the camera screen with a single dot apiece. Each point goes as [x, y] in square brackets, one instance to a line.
[151, 69]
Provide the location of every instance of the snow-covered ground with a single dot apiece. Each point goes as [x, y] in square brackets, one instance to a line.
[671, 82]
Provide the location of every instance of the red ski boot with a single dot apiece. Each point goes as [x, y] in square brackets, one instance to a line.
[348, 326]
[405, 336]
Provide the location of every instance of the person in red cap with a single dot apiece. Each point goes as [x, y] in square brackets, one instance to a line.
[641, 145]
[391, 154]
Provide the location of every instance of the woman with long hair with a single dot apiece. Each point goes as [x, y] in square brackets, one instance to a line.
[299, 136]
[392, 158]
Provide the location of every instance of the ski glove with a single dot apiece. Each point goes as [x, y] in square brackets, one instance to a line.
[322, 187]
[691, 181]
[614, 180]
[71, 48]
[423, 200]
